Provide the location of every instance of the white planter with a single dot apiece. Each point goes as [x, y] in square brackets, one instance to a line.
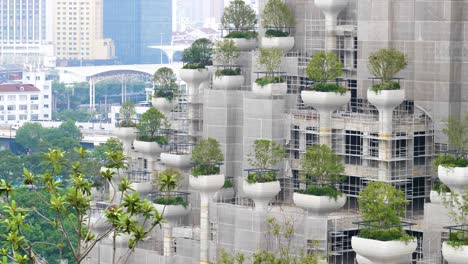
[270, 89]
[245, 44]
[386, 99]
[172, 212]
[455, 178]
[207, 183]
[319, 204]
[224, 194]
[193, 77]
[331, 8]
[261, 193]
[325, 101]
[163, 104]
[147, 148]
[142, 187]
[382, 252]
[179, 161]
[99, 222]
[225, 82]
[283, 43]
[439, 198]
[455, 255]
[126, 134]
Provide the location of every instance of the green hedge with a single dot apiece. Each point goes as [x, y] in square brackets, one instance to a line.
[276, 33]
[161, 140]
[389, 234]
[458, 239]
[261, 177]
[328, 190]
[386, 86]
[199, 170]
[228, 72]
[171, 201]
[329, 87]
[269, 80]
[244, 35]
[450, 161]
[194, 66]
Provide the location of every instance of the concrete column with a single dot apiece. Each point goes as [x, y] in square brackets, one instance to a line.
[204, 227]
[168, 240]
[365, 148]
[325, 128]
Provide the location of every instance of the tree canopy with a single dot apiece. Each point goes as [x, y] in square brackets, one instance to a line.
[324, 66]
[239, 17]
[199, 53]
[207, 151]
[321, 164]
[277, 15]
[226, 51]
[386, 63]
[151, 122]
[265, 154]
[270, 59]
[127, 113]
[165, 83]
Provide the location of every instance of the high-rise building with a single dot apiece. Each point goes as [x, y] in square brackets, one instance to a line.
[78, 31]
[24, 34]
[135, 25]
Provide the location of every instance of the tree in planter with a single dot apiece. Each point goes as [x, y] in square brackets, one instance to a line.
[270, 59]
[457, 134]
[127, 113]
[198, 56]
[321, 166]
[165, 83]
[206, 156]
[168, 182]
[384, 64]
[265, 155]
[384, 204]
[226, 52]
[240, 18]
[322, 68]
[150, 123]
[276, 17]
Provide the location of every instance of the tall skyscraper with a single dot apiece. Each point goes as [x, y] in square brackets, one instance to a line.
[78, 31]
[136, 24]
[24, 32]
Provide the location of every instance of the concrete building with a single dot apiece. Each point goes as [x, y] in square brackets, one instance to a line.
[393, 140]
[78, 31]
[25, 32]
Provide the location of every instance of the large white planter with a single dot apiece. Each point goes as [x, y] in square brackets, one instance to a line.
[147, 148]
[179, 161]
[142, 187]
[224, 194]
[382, 252]
[455, 255]
[172, 212]
[319, 204]
[270, 89]
[439, 198]
[231, 82]
[455, 178]
[261, 193]
[207, 183]
[325, 101]
[283, 43]
[193, 77]
[126, 134]
[245, 44]
[386, 99]
[163, 104]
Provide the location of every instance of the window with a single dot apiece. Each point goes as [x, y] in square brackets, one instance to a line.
[46, 116]
[34, 117]
[46, 106]
[23, 117]
[23, 107]
[34, 97]
[2, 107]
[23, 97]
[1, 97]
[2, 117]
[11, 107]
[12, 98]
[11, 117]
[34, 107]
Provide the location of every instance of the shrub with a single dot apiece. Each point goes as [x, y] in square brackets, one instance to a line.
[151, 122]
[265, 80]
[328, 190]
[265, 154]
[458, 239]
[165, 83]
[261, 177]
[276, 33]
[198, 55]
[226, 51]
[228, 183]
[324, 66]
[277, 15]
[207, 155]
[385, 86]
[270, 59]
[244, 35]
[228, 72]
[389, 234]
[127, 112]
[161, 140]
[329, 87]
[171, 201]
[386, 63]
[439, 187]
[199, 170]
[450, 161]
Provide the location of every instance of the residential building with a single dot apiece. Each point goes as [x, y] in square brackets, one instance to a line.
[78, 31]
[135, 25]
[25, 28]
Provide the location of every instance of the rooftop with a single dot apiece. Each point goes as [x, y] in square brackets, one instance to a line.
[18, 87]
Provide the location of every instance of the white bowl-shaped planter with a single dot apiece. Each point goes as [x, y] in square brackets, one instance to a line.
[163, 104]
[228, 82]
[319, 204]
[172, 212]
[455, 255]
[325, 101]
[283, 43]
[383, 252]
[245, 44]
[224, 194]
[126, 133]
[147, 148]
[99, 222]
[261, 193]
[207, 183]
[386, 99]
[179, 161]
[455, 178]
[439, 198]
[270, 89]
[142, 187]
[194, 76]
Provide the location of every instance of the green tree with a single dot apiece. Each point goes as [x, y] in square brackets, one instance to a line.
[165, 83]
[324, 66]
[69, 129]
[151, 122]
[226, 51]
[127, 113]
[239, 16]
[199, 54]
[277, 15]
[321, 164]
[386, 63]
[265, 154]
[207, 151]
[73, 115]
[270, 59]
[456, 130]
[29, 135]
[10, 167]
[112, 144]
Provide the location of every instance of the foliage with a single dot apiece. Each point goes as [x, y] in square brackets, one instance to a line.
[272, 33]
[385, 86]
[388, 234]
[328, 190]
[265, 80]
[324, 66]
[151, 122]
[127, 113]
[457, 133]
[74, 115]
[450, 161]
[270, 59]
[171, 201]
[228, 183]
[228, 72]
[321, 165]
[225, 258]
[168, 180]
[261, 176]
[207, 152]
[277, 15]
[439, 187]
[239, 16]
[10, 167]
[199, 54]
[265, 154]
[458, 239]
[383, 203]
[112, 144]
[244, 35]
[385, 64]
[209, 169]
[161, 140]
[226, 51]
[70, 204]
[329, 88]
[165, 83]
[29, 135]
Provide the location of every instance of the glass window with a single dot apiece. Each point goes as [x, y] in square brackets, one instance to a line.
[12, 97]
[34, 117]
[23, 107]
[11, 117]
[46, 106]
[23, 117]
[34, 107]
[11, 107]
[2, 107]
[23, 97]
[34, 97]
